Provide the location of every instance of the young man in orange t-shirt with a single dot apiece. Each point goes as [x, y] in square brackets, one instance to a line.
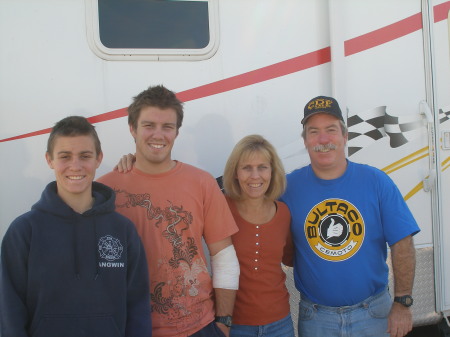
[174, 206]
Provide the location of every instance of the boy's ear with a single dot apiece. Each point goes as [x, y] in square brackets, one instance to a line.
[133, 132]
[99, 159]
[49, 160]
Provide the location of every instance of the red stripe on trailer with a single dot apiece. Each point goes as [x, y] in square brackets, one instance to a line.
[296, 64]
[383, 35]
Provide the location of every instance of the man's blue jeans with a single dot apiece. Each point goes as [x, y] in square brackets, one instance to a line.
[365, 319]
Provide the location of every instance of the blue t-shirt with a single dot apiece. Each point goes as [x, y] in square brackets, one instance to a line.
[340, 228]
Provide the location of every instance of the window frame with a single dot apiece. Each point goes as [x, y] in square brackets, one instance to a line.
[150, 54]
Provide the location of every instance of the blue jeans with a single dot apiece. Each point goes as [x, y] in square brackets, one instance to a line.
[211, 330]
[365, 319]
[282, 328]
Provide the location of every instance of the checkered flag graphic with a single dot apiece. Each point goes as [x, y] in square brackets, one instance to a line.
[374, 124]
[365, 128]
[403, 129]
[443, 116]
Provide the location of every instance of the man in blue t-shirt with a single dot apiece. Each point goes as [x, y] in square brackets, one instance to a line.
[343, 215]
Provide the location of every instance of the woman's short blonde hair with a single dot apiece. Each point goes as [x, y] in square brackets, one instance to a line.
[244, 149]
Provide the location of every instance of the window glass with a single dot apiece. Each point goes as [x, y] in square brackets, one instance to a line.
[156, 24]
[152, 29]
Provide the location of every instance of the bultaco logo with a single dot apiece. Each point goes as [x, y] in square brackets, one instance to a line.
[335, 229]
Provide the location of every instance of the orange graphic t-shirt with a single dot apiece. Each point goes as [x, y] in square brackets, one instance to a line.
[172, 211]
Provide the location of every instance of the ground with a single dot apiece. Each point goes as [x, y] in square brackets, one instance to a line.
[424, 331]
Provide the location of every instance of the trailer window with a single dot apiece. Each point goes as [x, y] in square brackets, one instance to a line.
[152, 29]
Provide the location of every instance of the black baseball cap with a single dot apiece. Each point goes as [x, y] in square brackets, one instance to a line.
[322, 104]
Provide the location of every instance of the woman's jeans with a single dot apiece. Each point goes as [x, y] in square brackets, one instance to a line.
[282, 328]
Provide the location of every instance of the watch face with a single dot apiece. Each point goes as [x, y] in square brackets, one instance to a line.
[408, 300]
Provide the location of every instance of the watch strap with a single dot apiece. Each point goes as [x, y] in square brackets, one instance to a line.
[405, 300]
[226, 320]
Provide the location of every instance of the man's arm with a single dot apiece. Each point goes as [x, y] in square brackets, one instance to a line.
[403, 264]
[223, 260]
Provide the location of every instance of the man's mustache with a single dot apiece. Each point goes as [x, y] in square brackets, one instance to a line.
[324, 148]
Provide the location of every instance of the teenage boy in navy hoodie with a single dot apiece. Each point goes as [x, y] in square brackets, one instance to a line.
[72, 266]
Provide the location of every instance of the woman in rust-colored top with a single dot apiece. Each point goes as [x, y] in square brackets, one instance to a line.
[253, 179]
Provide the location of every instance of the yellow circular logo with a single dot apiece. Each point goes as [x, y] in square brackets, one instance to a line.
[334, 229]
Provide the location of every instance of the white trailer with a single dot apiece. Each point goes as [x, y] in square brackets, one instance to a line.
[241, 67]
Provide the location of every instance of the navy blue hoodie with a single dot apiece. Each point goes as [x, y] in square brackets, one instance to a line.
[65, 274]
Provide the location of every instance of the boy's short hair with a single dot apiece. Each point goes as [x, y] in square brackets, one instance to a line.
[70, 127]
[157, 96]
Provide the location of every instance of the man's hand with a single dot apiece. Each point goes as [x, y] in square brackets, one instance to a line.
[399, 320]
[125, 163]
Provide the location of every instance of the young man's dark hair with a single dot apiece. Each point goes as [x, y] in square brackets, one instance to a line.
[157, 96]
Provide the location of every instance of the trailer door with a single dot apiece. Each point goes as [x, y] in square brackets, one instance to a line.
[439, 44]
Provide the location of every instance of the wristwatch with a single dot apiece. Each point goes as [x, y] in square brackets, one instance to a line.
[406, 300]
[226, 320]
